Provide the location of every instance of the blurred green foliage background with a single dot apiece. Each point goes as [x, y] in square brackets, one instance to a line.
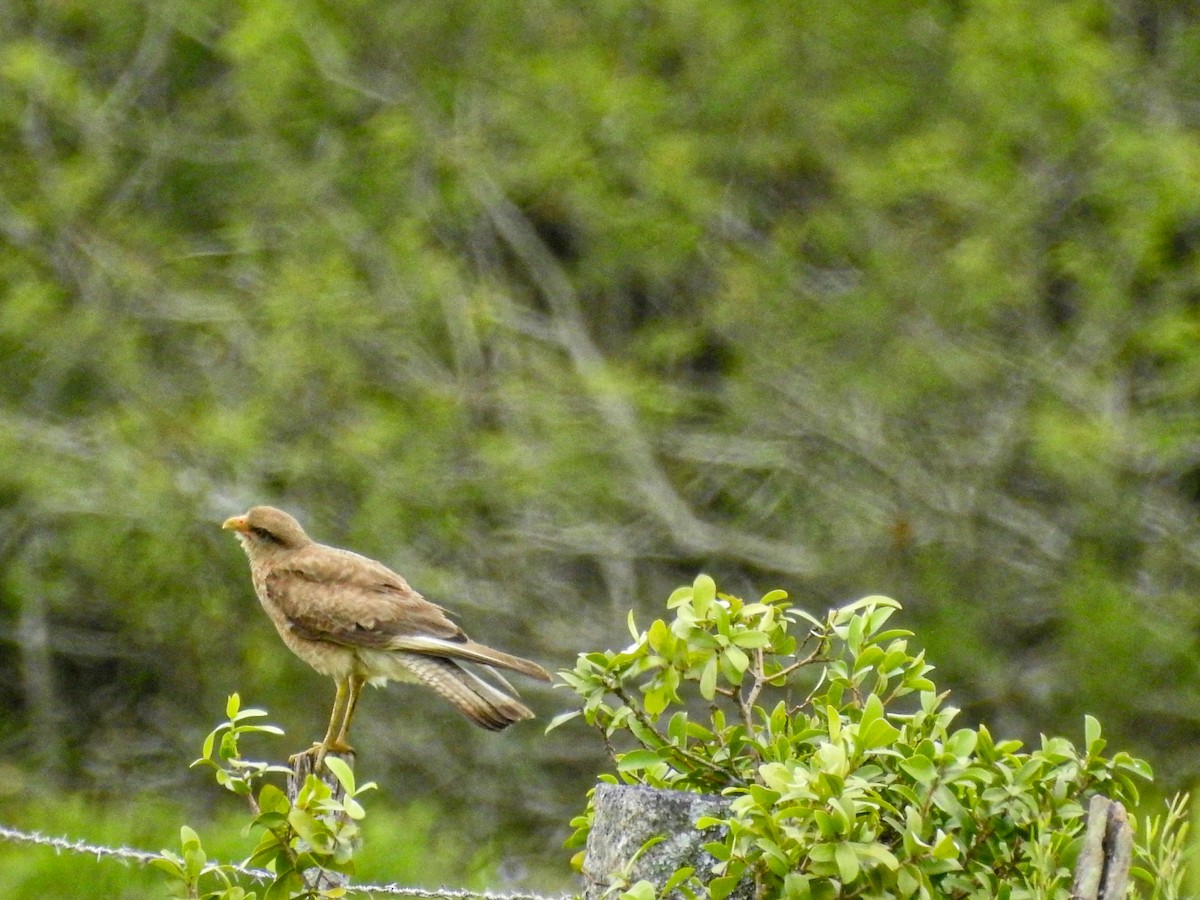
[552, 305]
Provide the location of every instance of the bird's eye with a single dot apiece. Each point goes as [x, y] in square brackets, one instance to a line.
[260, 532]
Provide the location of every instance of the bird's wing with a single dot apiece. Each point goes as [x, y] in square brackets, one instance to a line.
[339, 596]
[344, 598]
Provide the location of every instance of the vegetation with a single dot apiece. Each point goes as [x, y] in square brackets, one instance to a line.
[303, 839]
[545, 307]
[840, 787]
[266, 846]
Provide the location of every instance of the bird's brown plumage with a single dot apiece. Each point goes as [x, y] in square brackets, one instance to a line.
[355, 620]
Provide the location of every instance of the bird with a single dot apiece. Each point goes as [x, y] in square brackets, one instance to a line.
[356, 621]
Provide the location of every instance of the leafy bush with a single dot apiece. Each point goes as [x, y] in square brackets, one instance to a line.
[846, 776]
[316, 831]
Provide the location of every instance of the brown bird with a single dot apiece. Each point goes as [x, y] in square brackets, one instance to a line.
[357, 621]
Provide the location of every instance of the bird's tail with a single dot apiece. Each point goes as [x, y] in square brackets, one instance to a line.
[485, 705]
[463, 647]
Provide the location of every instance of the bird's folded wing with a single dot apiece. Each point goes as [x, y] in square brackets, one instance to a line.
[343, 597]
[346, 599]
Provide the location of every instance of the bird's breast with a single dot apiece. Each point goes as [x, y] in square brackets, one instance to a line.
[329, 659]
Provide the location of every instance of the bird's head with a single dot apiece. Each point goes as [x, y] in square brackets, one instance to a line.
[264, 529]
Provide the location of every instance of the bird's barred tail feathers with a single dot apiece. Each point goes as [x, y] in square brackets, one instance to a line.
[485, 705]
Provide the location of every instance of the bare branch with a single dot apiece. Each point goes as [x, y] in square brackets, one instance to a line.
[689, 531]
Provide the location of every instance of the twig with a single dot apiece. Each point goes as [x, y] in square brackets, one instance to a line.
[661, 500]
[694, 758]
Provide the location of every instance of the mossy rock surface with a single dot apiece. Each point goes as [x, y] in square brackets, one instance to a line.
[627, 816]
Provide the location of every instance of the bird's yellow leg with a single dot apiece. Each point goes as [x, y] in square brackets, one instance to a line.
[341, 701]
[355, 686]
[335, 723]
[344, 700]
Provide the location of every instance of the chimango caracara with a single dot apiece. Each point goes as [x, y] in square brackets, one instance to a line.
[357, 621]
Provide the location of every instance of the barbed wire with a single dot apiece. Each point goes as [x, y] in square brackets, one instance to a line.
[443, 893]
[144, 857]
[129, 854]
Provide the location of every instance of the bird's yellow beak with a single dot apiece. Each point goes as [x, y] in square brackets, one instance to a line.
[237, 523]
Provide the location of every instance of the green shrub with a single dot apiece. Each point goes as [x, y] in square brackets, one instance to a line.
[846, 775]
[315, 831]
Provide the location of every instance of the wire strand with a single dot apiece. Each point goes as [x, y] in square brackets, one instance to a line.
[144, 857]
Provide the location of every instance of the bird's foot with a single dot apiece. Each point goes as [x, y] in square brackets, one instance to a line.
[314, 757]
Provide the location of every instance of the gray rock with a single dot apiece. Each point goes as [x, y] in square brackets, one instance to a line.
[629, 815]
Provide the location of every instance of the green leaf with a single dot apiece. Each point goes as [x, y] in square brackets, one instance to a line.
[872, 711]
[870, 601]
[765, 797]
[194, 862]
[921, 768]
[962, 743]
[678, 877]
[274, 821]
[1139, 767]
[272, 799]
[188, 838]
[659, 637]
[704, 592]
[207, 752]
[283, 888]
[751, 639]
[879, 854]
[677, 728]
[171, 865]
[878, 734]
[718, 850]
[830, 827]
[232, 705]
[944, 847]
[854, 636]
[985, 745]
[637, 759]
[720, 888]
[737, 658]
[869, 659]
[563, 718]
[1091, 735]
[847, 863]
[642, 890]
[251, 713]
[708, 679]
[877, 619]
[308, 826]
[342, 772]
[833, 720]
[679, 597]
[657, 700]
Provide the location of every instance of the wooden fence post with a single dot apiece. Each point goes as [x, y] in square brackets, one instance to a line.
[1102, 871]
[303, 766]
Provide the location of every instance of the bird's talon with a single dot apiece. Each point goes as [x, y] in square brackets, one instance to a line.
[316, 752]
